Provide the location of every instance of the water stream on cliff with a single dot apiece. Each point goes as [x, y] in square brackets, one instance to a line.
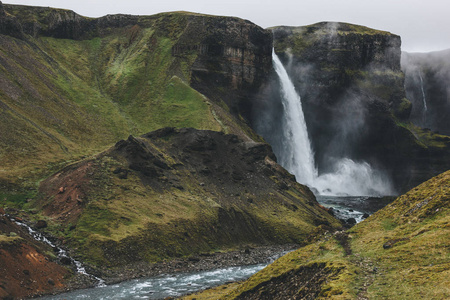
[425, 108]
[62, 254]
[296, 154]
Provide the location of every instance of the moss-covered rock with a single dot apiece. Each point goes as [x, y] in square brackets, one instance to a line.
[174, 193]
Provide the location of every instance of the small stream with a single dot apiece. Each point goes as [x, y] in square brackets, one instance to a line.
[61, 253]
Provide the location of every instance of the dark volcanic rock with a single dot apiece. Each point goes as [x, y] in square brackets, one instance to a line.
[41, 224]
[9, 25]
[353, 97]
[426, 82]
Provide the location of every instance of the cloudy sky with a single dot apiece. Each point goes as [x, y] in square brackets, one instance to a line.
[424, 25]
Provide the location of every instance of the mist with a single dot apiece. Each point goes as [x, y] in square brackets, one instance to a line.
[427, 78]
[335, 168]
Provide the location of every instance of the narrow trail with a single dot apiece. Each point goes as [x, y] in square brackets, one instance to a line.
[369, 270]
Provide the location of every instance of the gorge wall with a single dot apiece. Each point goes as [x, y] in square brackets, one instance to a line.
[351, 85]
[426, 83]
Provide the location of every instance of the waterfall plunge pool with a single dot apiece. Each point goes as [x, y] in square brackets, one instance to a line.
[346, 207]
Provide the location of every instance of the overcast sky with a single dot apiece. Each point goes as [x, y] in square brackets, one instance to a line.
[424, 25]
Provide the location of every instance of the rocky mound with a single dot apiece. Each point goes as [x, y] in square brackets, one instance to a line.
[174, 193]
[400, 252]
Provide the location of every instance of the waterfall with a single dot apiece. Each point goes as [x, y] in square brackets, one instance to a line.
[297, 156]
[423, 93]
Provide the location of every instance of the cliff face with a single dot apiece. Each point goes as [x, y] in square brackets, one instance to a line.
[353, 97]
[426, 84]
[233, 55]
[76, 84]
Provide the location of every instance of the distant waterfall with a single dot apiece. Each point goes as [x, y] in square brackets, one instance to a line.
[423, 93]
[297, 156]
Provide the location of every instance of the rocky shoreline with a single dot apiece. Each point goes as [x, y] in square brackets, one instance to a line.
[201, 262]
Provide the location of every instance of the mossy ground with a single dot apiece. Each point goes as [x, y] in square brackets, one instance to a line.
[63, 100]
[400, 252]
[200, 201]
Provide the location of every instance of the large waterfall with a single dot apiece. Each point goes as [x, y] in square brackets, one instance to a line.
[296, 154]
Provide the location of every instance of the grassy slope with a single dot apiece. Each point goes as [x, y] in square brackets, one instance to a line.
[401, 252]
[177, 214]
[64, 99]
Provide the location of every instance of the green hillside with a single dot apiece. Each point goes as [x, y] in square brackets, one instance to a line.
[400, 252]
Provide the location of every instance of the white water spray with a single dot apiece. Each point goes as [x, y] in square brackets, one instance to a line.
[348, 177]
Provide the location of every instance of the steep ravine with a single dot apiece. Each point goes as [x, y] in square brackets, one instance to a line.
[353, 97]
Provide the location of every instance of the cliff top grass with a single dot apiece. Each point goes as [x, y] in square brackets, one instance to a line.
[400, 252]
[299, 38]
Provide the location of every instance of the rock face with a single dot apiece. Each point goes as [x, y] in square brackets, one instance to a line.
[426, 84]
[173, 193]
[351, 85]
[233, 63]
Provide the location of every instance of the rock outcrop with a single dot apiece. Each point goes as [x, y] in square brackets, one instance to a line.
[353, 97]
[426, 84]
[173, 193]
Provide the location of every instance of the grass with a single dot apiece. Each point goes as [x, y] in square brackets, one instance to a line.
[306, 36]
[416, 265]
[67, 99]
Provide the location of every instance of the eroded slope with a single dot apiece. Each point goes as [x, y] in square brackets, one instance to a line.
[173, 193]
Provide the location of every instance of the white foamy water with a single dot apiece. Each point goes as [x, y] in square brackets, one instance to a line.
[164, 286]
[347, 178]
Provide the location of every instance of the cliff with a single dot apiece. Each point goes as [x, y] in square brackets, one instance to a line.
[72, 85]
[385, 256]
[426, 84]
[353, 97]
